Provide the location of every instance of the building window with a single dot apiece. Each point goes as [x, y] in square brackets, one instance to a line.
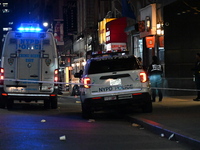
[5, 4]
[5, 10]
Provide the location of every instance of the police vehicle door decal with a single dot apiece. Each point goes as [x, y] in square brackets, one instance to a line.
[10, 61]
[48, 61]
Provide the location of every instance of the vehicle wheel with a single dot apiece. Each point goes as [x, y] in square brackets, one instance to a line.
[10, 103]
[87, 112]
[47, 104]
[147, 108]
[54, 103]
[3, 102]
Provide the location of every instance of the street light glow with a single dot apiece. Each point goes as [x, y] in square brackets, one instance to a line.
[45, 24]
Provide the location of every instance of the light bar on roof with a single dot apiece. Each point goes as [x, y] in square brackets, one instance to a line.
[29, 27]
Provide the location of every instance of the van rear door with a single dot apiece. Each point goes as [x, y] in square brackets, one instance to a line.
[29, 64]
[29, 61]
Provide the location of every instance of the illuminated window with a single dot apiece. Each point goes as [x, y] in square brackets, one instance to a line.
[10, 23]
[5, 10]
[5, 4]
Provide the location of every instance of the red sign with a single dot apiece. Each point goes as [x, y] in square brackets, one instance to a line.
[141, 26]
[150, 41]
[161, 41]
[115, 31]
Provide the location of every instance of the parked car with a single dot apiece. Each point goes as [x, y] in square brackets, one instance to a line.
[115, 80]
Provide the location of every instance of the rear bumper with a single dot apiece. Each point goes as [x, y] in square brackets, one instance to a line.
[27, 96]
[133, 100]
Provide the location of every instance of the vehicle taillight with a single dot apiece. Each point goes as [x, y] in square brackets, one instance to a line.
[1, 76]
[143, 77]
[137, 94]
[96, 97]
[86, 81]
[56, 76]
[4, 94]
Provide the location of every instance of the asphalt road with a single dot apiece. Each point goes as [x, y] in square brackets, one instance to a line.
[30, 127]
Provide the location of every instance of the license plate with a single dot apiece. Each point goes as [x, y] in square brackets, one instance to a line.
[46, 88]
[115, 82]
[108, 98]
[17, 89]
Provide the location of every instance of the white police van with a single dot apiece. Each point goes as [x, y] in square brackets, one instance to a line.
[114, 80]
[29, 67]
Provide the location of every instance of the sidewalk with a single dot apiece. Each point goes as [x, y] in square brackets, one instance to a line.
[176, 118]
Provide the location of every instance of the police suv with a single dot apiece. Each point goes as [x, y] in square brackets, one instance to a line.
[114, 80]
[29, 67]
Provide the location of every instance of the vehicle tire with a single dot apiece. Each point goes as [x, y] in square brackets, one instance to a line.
[54, 103]
[10, 103]
[147, 107]
[3, 102]
[47, 104]
[87, 112]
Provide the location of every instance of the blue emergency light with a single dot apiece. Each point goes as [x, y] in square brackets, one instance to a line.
[29, 27]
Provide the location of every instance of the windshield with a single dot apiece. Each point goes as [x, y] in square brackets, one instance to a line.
[112, 64]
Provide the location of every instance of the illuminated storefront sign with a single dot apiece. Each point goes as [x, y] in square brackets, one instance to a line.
[148, 14]
[115, 31]
[102, 30]
[58, 31]
[161, 41]
[116, 46]
[150, 41]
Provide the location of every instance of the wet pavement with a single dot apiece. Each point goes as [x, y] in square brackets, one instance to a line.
[176, 118]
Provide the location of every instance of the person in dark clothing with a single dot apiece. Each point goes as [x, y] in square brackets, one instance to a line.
[155, 72]
[197, 76]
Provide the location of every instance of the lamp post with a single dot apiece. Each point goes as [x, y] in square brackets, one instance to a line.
[45, 24]
[48, 27]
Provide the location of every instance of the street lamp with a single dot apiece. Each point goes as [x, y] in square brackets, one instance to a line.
[45, 24]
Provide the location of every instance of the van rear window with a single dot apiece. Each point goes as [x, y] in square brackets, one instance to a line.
[111, 65]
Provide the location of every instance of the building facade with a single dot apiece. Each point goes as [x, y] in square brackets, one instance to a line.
[159, 28]
[166, 28]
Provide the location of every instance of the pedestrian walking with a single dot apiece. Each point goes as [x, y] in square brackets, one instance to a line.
[155, 72]
[197, 76]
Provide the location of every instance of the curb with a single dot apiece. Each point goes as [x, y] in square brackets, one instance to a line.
[162, 130]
